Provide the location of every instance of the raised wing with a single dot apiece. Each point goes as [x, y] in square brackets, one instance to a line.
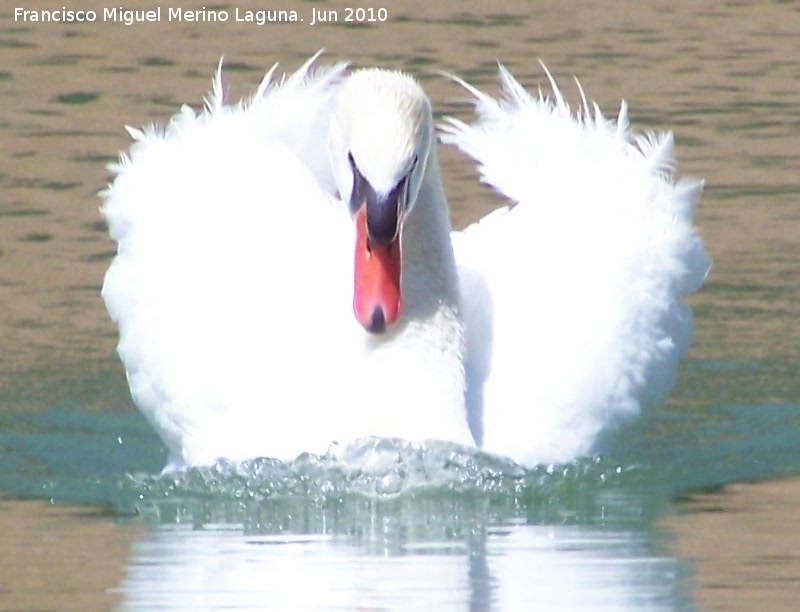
[572, 293]
[205, 212]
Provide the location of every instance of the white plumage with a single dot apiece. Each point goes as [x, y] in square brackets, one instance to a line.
[550, 323]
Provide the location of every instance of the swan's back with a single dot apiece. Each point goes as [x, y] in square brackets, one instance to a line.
[584, 275]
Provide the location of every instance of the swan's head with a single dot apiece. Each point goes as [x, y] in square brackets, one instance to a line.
[381, 136]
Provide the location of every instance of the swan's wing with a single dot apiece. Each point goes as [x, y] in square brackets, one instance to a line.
[220, 220]
[572, 293]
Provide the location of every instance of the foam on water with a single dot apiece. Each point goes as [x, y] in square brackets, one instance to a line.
[313, 493]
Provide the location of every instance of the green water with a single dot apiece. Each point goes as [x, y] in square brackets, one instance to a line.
[592, 522]
[707, 435]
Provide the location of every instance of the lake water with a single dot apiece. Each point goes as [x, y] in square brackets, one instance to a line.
[698, 506]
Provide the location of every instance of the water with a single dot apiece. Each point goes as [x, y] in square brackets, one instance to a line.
[664, 523]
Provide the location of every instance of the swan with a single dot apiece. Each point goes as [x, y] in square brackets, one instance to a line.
[287, 278]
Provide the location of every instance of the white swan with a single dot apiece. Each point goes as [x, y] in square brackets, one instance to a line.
[286, 275]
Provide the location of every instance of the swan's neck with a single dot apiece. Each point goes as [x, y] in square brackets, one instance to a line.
[429, 279]
[425, 349]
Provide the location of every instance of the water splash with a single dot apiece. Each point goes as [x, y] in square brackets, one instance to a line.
[378, 476]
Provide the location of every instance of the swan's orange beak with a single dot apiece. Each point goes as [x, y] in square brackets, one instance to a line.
[376, 296]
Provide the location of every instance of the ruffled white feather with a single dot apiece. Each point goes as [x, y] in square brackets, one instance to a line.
[584, 272]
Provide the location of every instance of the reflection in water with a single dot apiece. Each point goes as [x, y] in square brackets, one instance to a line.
[509, 568]
[183, 568]
[460, 530]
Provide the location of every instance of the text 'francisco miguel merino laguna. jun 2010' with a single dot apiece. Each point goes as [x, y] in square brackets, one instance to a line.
[159, 14]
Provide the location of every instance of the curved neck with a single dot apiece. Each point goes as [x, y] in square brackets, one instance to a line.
[429, 278]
